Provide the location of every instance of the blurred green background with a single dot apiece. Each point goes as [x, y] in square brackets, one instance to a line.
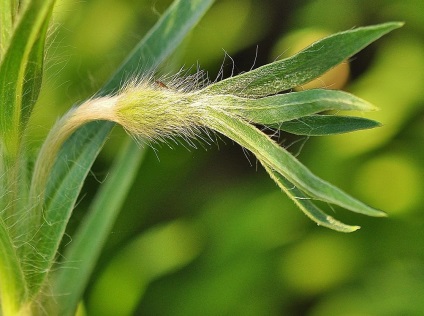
[205, 231]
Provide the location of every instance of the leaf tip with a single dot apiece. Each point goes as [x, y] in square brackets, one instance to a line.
[392, 25]
[353, 229]
[382, 214]
[398, 24]
[376, 213]
[334, 224]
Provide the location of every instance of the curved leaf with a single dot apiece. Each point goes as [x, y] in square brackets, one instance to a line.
[321, 125]
[83, 252]
[307, 206]
[20, 72]
[6, 23]
[303, 67]
[285, 107]
[277, 158]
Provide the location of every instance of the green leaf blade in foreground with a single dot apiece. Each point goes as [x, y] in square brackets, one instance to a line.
[303, 67]
[157, 45]
[61, 188]
[321, 125]
[6, 24]
[307, 206]
[277, 158]
[33, 76]
[85, 248]
[159, 42]
[18, 67]
[286, 107]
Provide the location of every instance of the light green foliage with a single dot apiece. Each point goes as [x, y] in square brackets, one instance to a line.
[291, 106]
[319, 125]
[309, 64]
[34, 215]
[20, 73]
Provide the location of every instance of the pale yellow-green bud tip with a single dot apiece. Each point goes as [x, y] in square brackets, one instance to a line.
[150, 112]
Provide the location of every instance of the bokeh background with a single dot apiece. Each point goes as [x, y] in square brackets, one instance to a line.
[205, 231]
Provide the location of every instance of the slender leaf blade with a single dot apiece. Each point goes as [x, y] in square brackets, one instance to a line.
[285, 107]
[19, 64]
[33, 76]
[61, 188]
[87, 243]
[277, 158]
[6, 24]
[303, 67]
[307, 206]
[160, 42]
[15, 69]
[321, 125]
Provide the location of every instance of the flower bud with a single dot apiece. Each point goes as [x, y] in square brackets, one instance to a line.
[156, 112]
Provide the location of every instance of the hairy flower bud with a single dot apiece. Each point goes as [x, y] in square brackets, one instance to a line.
[156, 112]
[182, 106]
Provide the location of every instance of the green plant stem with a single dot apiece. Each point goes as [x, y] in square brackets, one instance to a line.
[60, 132]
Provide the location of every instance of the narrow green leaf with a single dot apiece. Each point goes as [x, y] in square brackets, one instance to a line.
[6, 25]
[61, 189]
[85, 144]
[321, 125]
[33, 76]
[160, 42]
[12, 281]
[20, 71]
[20, 82]
[285, 107]
[307, 206]
[277, 158]
[21, 64]
[303, 67]
[87, 243]
[8, 17]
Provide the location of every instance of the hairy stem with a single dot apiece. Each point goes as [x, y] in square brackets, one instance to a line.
[92, 110]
